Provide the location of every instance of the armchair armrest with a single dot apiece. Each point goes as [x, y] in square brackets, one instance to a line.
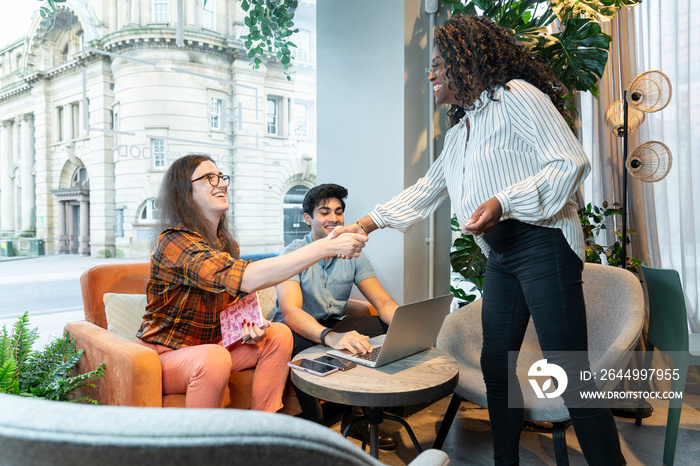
[133, 374]
[431, 458]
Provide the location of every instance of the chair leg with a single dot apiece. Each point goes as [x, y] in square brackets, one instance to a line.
[447, 421]
[674, 415]
[561, 453]
[648, 355]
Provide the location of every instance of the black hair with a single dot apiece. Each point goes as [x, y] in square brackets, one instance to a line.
[476, 46]
[321, 193]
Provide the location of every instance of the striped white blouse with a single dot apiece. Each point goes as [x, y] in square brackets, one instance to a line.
[520, 150]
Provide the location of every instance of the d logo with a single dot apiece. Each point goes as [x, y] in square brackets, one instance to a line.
[542, 368]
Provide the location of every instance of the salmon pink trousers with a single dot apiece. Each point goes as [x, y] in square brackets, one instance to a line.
[202, 371]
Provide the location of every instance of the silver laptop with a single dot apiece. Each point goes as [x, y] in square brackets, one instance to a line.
[413, 328]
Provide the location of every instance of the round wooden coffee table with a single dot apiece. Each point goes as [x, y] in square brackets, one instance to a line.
[423, 377]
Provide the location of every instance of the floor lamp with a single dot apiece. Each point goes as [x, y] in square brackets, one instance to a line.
[649, 92]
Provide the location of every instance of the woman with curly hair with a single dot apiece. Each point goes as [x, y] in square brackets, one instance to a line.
[196, 272]
[511, 165]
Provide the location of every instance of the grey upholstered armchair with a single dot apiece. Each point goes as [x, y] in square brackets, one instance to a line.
[615, 313]
[38, 432]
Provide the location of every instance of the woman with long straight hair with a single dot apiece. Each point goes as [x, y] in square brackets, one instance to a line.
[196, 273]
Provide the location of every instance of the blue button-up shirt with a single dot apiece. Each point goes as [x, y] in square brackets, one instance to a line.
[326, 286]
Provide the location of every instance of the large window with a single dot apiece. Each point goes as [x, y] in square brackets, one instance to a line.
[209, 15]
[148, 212]
[301, 119]
[274, 105]
[294, 225]
[302, 52]
[158, 149]
[217, 106]
[159, 12]
[80, 179]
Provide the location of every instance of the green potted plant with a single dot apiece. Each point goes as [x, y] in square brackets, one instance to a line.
[46, 373]
[594, 222]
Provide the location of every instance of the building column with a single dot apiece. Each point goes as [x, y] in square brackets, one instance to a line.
[7, 188]
[27, 174]
[135, 14]
[57, 130]
[192, 14]
[84, 238]
[71, 228]
[62, 234]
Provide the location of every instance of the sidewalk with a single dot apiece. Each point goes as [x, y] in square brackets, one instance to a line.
[42, 269]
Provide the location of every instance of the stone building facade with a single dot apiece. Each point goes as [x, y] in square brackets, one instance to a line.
[96, 105]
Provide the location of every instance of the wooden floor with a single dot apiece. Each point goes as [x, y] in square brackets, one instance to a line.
[469, 439]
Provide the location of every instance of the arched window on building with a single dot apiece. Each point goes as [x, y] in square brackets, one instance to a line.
[148, 215]
[80, 179]
[294, 226]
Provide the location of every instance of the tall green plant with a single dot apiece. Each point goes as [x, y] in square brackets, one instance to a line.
[15, 347]
[469, 262]
[595, 221]
[45, 373]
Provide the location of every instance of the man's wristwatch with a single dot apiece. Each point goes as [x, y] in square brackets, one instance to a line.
[323, 336]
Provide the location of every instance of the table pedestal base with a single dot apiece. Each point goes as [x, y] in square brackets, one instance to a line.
[375, 416]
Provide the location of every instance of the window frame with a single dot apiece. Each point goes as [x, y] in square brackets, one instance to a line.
[302, 53]
[277, 124]
[158, 156]
[308, 120]
[209, 15]
[159, 7]
[215, 114]
[149, 208]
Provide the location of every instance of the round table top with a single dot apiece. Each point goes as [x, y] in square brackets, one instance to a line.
[426, 376]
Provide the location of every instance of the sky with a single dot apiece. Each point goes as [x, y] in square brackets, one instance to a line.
[15, 19]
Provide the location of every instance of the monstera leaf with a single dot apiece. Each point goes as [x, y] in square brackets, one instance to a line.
[577, 55]
[597, 10]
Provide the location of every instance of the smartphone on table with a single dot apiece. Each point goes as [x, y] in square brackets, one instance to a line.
[313, 367]
[341, 364]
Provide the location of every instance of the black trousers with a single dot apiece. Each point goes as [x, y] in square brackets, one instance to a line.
[532, 271]
[371, 326]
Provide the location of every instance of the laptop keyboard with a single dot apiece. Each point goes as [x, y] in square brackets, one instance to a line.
[371, 356]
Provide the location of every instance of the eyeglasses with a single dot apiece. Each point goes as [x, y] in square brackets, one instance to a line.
[433, 68]
[213, 179]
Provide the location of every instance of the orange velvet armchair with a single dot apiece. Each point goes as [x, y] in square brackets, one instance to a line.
[133, 372]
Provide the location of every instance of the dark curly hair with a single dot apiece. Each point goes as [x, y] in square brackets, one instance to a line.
[478, 46]
[177, 206]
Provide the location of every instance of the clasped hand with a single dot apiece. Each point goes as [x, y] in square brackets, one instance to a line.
[346, 245]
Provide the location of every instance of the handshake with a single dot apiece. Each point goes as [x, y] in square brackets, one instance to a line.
[348, 239]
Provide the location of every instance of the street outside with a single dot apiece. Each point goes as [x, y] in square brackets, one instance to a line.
[48, 287]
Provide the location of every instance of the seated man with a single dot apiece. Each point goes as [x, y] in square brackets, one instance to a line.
[316, 304]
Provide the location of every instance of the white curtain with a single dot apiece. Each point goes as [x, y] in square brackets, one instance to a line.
[655, 35]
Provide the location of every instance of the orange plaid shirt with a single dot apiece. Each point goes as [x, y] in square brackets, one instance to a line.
[190, 283]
